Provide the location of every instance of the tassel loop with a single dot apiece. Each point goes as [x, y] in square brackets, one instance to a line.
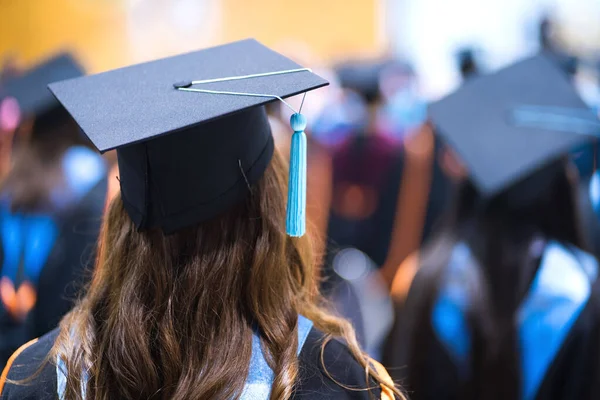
[296, 206]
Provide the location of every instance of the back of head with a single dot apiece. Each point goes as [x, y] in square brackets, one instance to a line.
[500, 233]
[542, 203]
[165, 313]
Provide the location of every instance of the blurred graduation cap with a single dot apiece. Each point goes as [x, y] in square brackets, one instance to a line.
[362, 76]
[30, 90]
[510, 124]
[187, 157]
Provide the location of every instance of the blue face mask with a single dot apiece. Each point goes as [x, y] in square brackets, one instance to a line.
[340, 120]
[403, 112]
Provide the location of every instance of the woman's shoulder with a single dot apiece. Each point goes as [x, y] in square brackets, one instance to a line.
[30, 361]
[332, 372]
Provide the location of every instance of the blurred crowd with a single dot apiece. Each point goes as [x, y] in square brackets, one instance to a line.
[390, 201]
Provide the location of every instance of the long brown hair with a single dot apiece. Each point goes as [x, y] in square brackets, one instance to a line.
[171, 317]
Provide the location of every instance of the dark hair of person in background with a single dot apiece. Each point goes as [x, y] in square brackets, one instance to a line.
[499, 233]
[467, 63]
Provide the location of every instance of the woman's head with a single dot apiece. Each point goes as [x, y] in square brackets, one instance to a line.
[154, 297]
[171, 316]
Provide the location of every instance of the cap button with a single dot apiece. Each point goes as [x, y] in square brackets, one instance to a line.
[298, 122]
[183, 84]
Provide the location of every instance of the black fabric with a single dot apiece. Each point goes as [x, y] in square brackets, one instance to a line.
[313, 383]
[26, 365]
[166, 183]
[339, 363]
[66, 272]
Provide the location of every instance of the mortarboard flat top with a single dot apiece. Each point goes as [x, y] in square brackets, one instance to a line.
[477, 121]
[30, 90]
[139, 102]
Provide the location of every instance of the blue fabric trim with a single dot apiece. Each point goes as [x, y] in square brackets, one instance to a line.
[558, 294]
[448, 315]
[12, 243]
[41, 235]
[594, 192]
[30, 238]
[260, 376]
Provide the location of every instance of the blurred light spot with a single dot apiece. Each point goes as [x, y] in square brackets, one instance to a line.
[10, 114]
[351, 264]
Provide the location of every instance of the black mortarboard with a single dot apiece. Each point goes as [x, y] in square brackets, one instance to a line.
[30, 89]
[185, 157]
[509, 124]
[363, 77]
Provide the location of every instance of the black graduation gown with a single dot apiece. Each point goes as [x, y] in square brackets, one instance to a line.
[313, 382]
[63, 275]
[573, 374]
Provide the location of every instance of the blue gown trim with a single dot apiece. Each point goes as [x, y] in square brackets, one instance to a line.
[29, 239]
[448, 314]
[260, 376]
[559, 292]
[594, 192]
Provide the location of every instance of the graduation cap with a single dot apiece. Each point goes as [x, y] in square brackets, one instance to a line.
[510, 124]
[191, 132]
[30, 90]
[363, 77]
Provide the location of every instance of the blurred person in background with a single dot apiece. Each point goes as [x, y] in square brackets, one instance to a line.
[506, 302]
[52, 199]
[389, 189]
[366, 170]
[387, 192]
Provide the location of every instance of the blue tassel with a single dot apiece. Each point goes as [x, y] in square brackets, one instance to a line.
[296, 206]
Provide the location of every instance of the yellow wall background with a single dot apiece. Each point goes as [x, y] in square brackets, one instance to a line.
[107, 34]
